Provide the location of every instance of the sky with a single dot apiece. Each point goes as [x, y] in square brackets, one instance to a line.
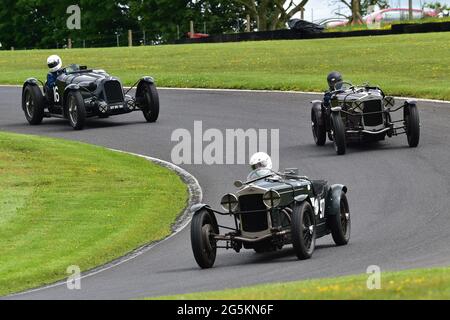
[319, 9]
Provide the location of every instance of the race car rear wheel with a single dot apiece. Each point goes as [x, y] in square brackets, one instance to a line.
[33, 104]
[340, 223]
[303, 231]
[412, 124]
[338, 133]
[149, 101]
[76, 111]
[203, 225]
[318, 129]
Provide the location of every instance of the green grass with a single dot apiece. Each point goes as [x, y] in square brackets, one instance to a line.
[405, 285]
[408, 65]
[65, 203]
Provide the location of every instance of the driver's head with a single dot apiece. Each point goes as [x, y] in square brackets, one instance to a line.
[333, 79]
[261, 160]
[54, 63]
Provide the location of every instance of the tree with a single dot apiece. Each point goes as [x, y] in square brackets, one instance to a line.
[43, 23]
[272, 14]
[7, 33]
[437, 6]
[219, 16]
[360, 8]
[166, 20]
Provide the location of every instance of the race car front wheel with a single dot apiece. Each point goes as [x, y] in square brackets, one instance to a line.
[203, 226]
[412, 124]
[303, 231]
[149, 101]
[318, 129]
[33, 104]
[338, 133]
[340, 223]
[76, 110]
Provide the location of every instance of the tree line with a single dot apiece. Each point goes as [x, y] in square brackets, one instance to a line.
[43, 23]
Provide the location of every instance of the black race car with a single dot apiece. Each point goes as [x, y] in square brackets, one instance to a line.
[82, 93]
[362, 113]
[272, 210]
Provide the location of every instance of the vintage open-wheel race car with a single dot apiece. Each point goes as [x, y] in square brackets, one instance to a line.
[361, 114]
[81, 93]
[272, 210]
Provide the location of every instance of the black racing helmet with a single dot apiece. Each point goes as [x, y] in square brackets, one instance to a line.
[333, 79]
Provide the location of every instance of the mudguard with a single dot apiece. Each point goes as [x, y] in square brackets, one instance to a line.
[148, 79]
[408, 103]
[333, 200]
[70, 87]
[199, 207]
[317, 107]
[31, 81]
[301, 198]
[196, 209]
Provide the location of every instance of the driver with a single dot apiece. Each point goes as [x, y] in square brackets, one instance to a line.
[261, 164]
[333, 79]
[54, 63]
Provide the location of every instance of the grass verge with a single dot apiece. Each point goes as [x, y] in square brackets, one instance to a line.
[404, 285]
[407, 65]
[66, 203]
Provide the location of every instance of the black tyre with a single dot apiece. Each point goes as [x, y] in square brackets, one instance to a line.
[149, 101]
[203, 246]
[340, 223]
[338, 133]
[260, 250]
[318, 129]
[33, 104]
[412, 124]
[76, 111]
[303, 231]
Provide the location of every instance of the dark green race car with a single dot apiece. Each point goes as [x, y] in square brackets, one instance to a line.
[270, 211]
[362, 114]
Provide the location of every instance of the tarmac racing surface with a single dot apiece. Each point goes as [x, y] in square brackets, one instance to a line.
[399, 197]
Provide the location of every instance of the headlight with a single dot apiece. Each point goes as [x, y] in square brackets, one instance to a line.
[229, 202]
[272, 199]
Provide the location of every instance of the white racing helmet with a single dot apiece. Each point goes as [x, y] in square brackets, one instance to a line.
[261, 160]
[54, 63]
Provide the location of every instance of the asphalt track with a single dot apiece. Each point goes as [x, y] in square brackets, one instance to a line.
[399, 197]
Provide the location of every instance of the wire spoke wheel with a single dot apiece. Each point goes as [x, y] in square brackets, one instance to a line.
[345, 218]
[148, 101]
[29, 104]
[33, 104]
[338, 133]
[318, 130]
[204, 247]
[340, 222]
[412, 125]
[303, 231]
[148, 96]
[73, 110]
[308, 229]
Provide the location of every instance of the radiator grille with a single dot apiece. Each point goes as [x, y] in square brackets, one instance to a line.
[376, 119]
[113, 92]
[257, 221]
